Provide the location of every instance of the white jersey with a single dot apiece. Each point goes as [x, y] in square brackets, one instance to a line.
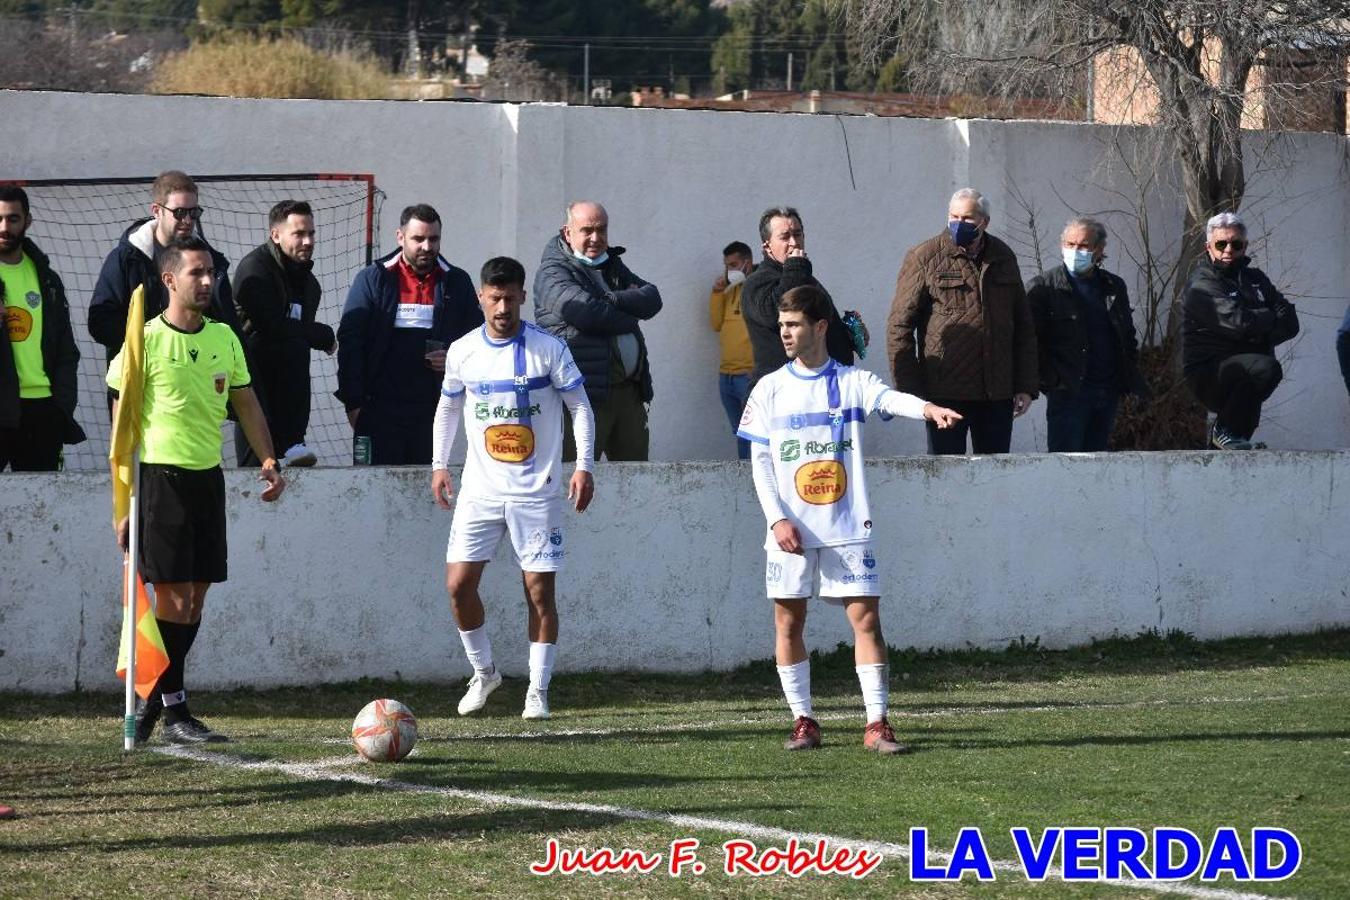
[513, 411]
[811, 424]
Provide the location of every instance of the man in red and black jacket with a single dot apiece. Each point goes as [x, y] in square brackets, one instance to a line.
[402, 312]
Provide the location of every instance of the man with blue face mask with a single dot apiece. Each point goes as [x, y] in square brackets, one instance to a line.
[585, 295]
[1085, 340]
[960, 331]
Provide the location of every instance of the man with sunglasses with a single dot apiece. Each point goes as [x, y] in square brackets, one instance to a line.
[1232, 320]
[174, 214]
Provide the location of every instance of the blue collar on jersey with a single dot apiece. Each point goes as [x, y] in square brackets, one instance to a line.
[807, 375]
[494, 342]
[521, 385]
[835, 417]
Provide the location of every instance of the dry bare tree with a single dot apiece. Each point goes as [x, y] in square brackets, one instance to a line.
[52, 54]
[514, 76]
[1187, 64]
[1189, 60]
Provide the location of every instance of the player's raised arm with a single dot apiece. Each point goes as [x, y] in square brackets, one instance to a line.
[940, 416]
[889, 403]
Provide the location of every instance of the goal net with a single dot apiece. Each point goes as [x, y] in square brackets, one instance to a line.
[77, 223]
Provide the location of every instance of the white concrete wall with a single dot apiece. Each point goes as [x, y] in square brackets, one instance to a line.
[344, 578]
[680, 184]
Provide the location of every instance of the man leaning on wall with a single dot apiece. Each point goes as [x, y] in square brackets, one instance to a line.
[724, 313]
[277, 296]
[1233, 318]
[585, 295]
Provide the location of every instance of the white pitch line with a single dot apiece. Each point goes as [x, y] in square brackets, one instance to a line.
[311, 772]
[900, 717]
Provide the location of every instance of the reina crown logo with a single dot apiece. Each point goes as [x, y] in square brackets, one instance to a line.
[821, 482]
[509, 443]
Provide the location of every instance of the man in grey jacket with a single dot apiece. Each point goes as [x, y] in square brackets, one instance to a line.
[585, 295]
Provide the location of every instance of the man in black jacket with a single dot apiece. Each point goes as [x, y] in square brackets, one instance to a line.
[1085, 340]
[174, 213]
[785, 267]
[585, 295]
[38, 357]
[1233, 318]
[277, 296]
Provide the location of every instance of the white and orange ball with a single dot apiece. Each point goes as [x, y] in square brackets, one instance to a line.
[384, 731]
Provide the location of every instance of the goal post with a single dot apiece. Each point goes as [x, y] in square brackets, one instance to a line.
[78, 221]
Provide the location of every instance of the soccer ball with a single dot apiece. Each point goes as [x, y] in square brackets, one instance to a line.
[384, 731]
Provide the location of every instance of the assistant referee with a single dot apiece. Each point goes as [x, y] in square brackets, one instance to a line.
[194, 366]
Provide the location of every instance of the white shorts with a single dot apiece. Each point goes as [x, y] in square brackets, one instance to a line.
[535, 528]
[846, 571]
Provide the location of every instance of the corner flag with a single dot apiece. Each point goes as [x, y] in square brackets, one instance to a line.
[151, 657]
[126, 428]
[141, 649]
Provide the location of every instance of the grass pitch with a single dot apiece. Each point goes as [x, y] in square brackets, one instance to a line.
[1146, 732]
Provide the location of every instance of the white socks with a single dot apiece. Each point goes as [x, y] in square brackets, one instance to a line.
[796, 681]
[875, 682]
[541, 665]
[478, 648]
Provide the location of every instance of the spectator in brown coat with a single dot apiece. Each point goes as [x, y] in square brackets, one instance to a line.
[961, 333]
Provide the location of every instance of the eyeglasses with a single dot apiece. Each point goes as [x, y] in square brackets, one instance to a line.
[184, 212]
[1238, 245]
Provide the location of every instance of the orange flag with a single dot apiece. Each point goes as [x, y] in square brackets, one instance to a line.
[151, 657]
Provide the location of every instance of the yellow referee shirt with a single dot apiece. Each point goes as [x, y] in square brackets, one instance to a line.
[188, 379]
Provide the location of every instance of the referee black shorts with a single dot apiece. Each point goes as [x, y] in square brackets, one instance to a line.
[182, 516]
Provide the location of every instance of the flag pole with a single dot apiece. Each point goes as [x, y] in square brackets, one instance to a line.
[129, 593]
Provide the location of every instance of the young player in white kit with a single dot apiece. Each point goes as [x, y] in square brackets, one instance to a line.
[511, 380]
[804, 422]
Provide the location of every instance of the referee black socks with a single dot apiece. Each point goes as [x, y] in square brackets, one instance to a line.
[178, 639]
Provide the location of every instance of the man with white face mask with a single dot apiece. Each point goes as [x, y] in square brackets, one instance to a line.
[1085, 341]
[724, 312]
[586, 295]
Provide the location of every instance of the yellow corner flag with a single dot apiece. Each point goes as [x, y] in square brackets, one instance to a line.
[148, 657]
[126, 428]
[151, 657]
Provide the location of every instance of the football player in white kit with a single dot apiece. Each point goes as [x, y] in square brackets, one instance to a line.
[804, 422]
[511, 381]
